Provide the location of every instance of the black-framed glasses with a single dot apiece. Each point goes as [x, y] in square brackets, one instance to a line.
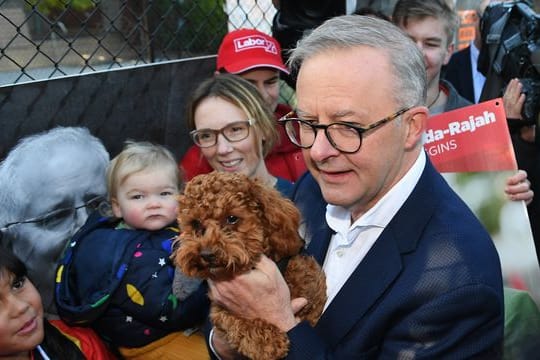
[236, 131]
[344, 136]
[55, 216]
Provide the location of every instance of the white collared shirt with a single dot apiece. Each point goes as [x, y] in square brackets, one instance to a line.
[478, 78]
[350, 243]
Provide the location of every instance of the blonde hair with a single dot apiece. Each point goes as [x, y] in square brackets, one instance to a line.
[136, 157]
[242, 94]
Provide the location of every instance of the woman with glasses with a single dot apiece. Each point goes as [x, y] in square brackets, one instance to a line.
[262, 66]
[231, 124]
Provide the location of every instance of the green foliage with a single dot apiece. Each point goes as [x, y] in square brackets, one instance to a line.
[486, 208]
[205, 25]
[47, 6]
[180, 28]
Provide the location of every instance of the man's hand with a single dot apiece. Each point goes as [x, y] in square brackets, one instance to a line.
[261, 293]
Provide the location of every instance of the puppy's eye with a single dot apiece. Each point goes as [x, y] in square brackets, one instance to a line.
[231, 219]
[197, 227]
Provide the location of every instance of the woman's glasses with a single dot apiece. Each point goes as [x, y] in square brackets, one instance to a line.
[233, 132]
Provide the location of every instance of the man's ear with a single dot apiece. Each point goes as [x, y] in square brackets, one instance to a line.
[415, 120]
[117, 212]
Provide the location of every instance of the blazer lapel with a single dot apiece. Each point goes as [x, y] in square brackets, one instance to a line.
[318, 246]
[383, 262]
[365, 285]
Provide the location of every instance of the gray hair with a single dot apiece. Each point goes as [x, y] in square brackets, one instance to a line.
[349, 31]
[12, 194]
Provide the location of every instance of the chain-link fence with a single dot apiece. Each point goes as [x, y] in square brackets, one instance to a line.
[42, 39]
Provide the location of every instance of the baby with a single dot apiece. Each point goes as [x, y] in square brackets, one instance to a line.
[116, 274]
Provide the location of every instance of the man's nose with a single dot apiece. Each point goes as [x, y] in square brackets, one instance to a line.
[322, 148]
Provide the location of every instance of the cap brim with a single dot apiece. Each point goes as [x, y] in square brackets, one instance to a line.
[239, 68]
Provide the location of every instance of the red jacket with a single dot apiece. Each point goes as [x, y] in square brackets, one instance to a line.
[285, 160]
[86, 339]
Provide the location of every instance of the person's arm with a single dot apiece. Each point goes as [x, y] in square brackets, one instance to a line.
[460, 324]
[464, 323]
[518, 187]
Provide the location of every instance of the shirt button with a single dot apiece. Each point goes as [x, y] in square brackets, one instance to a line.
[340, 253]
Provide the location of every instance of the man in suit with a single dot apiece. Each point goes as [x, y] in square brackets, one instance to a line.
[410, 271]
[462, 70]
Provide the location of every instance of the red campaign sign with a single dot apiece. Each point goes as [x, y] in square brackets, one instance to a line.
[470, 139]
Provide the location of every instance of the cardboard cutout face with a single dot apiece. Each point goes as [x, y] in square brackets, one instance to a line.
[50, 185]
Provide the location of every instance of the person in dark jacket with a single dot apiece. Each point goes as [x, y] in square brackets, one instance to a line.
[410, 271]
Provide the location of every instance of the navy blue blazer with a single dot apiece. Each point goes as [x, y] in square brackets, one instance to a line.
[458, 71]
[430, 287]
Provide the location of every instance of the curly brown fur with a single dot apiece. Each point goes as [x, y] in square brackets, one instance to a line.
[227, 222]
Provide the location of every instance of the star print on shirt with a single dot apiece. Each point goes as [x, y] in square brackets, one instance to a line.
[162, 261]
[154, 275]
[163, 318]
[129, 319]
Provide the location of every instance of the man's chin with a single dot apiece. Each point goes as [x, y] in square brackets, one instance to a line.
[335, 196]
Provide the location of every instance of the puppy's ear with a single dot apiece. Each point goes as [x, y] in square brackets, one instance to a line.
[281, 220]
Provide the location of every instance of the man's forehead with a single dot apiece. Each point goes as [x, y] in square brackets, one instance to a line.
[60, 153]
[69, 166]
[333, 59]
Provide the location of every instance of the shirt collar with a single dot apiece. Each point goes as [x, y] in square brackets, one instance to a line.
[339, 218]
[474, 53]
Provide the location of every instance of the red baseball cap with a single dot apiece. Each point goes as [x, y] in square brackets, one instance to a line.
[246, 49]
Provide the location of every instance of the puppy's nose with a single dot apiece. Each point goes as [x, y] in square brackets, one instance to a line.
[208, 255]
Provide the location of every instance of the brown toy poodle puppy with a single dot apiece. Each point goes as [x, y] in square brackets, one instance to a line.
[227, 222]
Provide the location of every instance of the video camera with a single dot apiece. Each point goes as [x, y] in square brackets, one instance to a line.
[511, 49]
